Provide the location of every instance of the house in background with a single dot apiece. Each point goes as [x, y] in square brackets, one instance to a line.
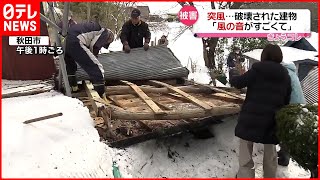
[302, 53]
[145, 12]
[155, 18]
[26, 67]
[310, 86]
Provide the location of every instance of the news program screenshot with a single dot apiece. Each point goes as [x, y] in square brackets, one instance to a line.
[159, 89]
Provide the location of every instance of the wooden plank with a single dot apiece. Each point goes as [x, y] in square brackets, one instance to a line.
[95, 97]
[27, 93]
[118, 90]
[155, 108]
[186, 95]
[116, 102]
[42, 118]
[92, 95]
[221, 91]
[162, 105]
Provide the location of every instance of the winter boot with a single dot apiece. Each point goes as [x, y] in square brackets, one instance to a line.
[283, 158]
[100, 88]
[73, 83]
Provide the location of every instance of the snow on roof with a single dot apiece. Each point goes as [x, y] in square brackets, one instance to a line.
[313, 40]
[289, 54]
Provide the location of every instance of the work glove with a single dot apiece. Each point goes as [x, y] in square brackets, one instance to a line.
[146, 46]
[126, 48]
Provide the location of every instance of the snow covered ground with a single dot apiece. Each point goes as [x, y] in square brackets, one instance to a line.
[69, 146]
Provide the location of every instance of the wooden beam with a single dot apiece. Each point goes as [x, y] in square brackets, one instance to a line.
[155, 108]
[118, 90]
[94, 97]
[27, 93]
[117, 113]
[42, 118]
[221, 91]
[116, 102]
[186, 95]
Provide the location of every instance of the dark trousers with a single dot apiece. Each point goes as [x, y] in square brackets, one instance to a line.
[233, 72]
[283, 156]
[76, 52]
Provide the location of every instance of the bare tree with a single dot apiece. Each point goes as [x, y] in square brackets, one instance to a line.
[88, 11]
[210, 44]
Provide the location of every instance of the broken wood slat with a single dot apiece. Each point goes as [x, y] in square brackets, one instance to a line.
[117, 90]
[161, 105]
[107, 119]
[228, 93]
[117, 113]
[27, 93]
[186, 95]
[227, 98]
[155, 108]
[42, 118]
[94, 97]
[221, 91]
[116, 102]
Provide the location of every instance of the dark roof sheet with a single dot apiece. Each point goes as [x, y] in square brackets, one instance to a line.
[156, 63]
[301, 44]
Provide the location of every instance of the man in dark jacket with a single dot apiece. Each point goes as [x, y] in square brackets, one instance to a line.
[83, 44]
[268, 90]
[234, 61]
[133, 32]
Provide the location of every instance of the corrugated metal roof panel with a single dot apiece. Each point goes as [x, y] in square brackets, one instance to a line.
[156, 63]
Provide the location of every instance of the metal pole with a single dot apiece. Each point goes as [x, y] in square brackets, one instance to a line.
[58, 41]
[52, 17]
[52, 24]
[65, 18]
[64, 34]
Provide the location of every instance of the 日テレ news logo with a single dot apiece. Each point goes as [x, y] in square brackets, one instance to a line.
[20, 18]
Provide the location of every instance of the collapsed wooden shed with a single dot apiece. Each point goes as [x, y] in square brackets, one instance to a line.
[151, 97]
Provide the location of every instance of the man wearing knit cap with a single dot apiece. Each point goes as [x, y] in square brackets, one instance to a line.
[83, 44]
[134, 31]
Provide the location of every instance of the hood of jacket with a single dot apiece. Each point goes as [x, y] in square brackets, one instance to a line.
[290, 66]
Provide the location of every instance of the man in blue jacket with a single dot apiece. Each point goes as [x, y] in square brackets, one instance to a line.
[83, 44]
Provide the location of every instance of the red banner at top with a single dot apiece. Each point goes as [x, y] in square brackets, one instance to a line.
[20, 17]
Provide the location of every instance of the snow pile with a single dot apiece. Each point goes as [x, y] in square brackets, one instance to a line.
[66, 146]
[183, 156]
[313, 40]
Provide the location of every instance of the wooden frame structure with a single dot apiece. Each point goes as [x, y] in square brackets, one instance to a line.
[132, 113]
